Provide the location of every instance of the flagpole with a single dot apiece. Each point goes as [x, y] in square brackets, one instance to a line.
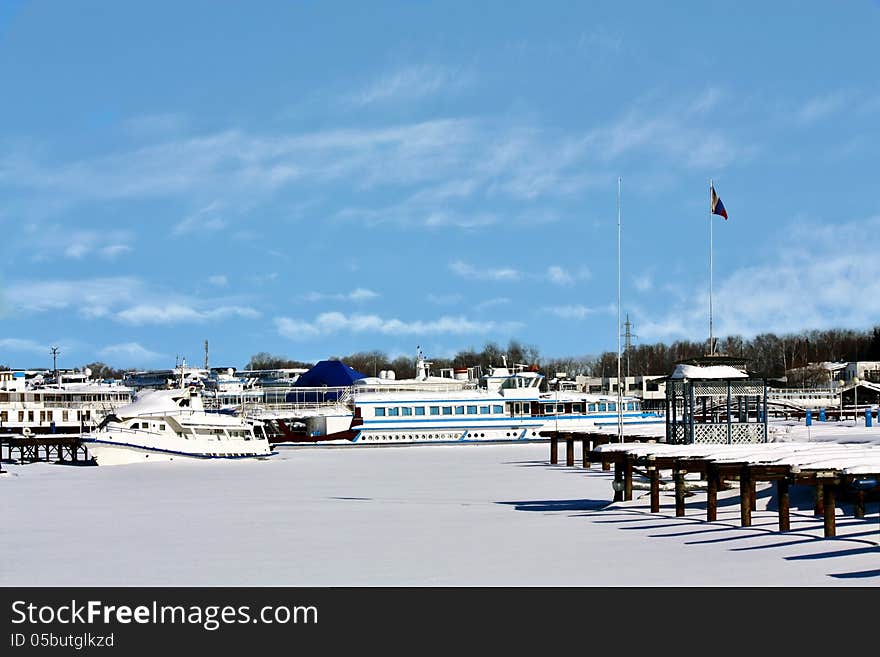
[619, 395]
[711, 332]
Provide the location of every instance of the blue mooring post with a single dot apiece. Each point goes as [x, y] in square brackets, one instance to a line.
[868, 417]
[809, 417]
[821, 415]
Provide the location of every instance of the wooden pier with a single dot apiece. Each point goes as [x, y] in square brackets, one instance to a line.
[29, 449]
[636, 456]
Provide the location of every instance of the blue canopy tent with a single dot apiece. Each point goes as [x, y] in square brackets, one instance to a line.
[325, 374]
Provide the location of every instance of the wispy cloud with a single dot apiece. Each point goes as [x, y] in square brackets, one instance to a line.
[335, 322]
[821, 107]
[176, 313]
[795, 289]
[23, 345]
[643, 282]
[555, 274]
[561, 276]
[466, 270]
[358, 294]
[443, 299]
[204, 220]
[129, 354]
[124, 299]
[492, 303]
[410, 84]
[218, 280]
[577, 311]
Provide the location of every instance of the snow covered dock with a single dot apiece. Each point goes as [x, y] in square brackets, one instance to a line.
[848, 468]
[420, 515]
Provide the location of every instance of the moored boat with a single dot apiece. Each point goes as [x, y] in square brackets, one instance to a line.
[161, 425]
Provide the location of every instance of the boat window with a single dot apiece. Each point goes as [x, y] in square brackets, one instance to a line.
[459, 410]
[612, 407]
[516, 407]
[591, 408]
[630, 406]
[406, 410]
[394, 411]
[484, 410]
[420, 410]
[472, 410]
[380, 411]
[603, 407]
[497, 409]
[576, 408]
[548, 409]
[435, 410]
[560, 408]
[447, 410]
[161, 427]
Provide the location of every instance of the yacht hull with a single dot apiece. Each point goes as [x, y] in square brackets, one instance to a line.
[109, 451]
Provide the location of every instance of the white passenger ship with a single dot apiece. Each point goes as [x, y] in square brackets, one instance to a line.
[69, 403]
[510, 406]
[162, 425]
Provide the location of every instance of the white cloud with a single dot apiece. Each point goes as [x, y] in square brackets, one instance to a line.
[811, 286]
[356, 295]
[25, 345]
[46, 241]
[219, 280]
[203, 221]
[443, 299]
[561, 276]
[124, 299]
[821, 107]
[466, 270]
[643, 282]
[90, 297]
[336, 322]
[577, 311]
[492, 303]
[129, 354]
[411, 83]
[173, 313]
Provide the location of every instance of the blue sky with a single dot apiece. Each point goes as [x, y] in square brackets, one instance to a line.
[312, 179]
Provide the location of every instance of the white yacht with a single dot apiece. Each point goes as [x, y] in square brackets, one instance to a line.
[161, 425]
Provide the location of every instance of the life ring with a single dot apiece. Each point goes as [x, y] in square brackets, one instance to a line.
[26, 432]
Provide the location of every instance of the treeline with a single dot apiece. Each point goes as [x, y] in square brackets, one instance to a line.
[768, 355]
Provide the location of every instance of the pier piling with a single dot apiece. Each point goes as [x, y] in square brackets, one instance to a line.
[654, 474]
[784, 503]
[678, 477]
[712, 478]
[745, 494]
[828, 499]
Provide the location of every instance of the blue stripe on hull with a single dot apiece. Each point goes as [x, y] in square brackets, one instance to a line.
[87, 441]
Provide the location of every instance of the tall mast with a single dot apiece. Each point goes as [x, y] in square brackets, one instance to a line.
[619, 392]
[711, 331]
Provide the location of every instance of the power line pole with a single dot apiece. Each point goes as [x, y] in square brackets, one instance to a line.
[54, 353]
[627, 340]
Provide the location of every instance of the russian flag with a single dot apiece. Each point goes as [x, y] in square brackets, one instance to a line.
[717, 205]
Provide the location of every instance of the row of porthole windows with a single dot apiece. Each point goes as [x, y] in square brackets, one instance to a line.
[395, 411]
[437, 436]
[430, 436]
